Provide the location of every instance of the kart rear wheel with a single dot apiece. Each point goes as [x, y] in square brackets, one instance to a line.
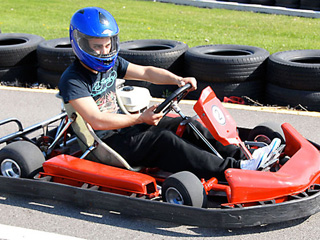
[267, 131]
[20, 159]
[184, 188]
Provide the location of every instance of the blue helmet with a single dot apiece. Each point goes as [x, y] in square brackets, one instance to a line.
[94, 23]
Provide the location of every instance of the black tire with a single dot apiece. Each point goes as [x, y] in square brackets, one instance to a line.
[242, 1]
[18, 49]
[270, 130]
[310, 4]
[293, 98]
[167, 54]
[139, 84]
[161, 91]
[252, 89]
[263, 2]
[189, 188]
[49, 78]
[288, 3]
[55, 54]
[18, 76]
[21, 155]
[299, 69]
[226, 63]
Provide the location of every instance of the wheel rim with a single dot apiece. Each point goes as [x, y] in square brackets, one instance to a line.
[174, 196]
[10, 168]
[262, 138]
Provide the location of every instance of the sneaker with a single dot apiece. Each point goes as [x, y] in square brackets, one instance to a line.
[262, 156]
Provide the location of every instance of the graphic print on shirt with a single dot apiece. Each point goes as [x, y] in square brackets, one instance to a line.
[104, 93]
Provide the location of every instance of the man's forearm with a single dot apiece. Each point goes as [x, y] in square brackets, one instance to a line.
[162, 76]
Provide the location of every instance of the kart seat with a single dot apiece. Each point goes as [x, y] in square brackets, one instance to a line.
[88, 139]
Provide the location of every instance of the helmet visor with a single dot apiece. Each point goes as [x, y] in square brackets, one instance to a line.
[100, 47]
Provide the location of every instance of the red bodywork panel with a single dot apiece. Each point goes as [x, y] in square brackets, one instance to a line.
[299, 173]
[245, 186]
[106, 177]
[218, 120]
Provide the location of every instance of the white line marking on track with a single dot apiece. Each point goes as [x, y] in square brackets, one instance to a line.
[18, 233]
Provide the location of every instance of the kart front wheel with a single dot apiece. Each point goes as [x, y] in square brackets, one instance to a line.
[265, 132]
[184, 188]
[20, 159]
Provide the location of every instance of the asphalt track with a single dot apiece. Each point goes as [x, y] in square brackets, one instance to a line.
[41, 216]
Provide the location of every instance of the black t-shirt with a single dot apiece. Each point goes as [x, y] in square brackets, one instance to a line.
[77, 82]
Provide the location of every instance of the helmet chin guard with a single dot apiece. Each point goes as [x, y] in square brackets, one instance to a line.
[94, 23]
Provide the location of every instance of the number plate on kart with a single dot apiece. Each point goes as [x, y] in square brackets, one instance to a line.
[216, 118]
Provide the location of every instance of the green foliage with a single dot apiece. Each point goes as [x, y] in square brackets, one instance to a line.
[154, 20]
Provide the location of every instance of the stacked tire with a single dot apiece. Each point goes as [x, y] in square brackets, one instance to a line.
[310, 4]
[288, 3]
[294, 79]
[230, 70]
[54, 56]
[241, 1]
[263, 2]
[167, 54]
[18, 58]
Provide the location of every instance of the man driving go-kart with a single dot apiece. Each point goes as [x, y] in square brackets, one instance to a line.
[145, 139]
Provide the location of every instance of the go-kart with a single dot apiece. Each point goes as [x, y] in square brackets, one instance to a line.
[54, 166]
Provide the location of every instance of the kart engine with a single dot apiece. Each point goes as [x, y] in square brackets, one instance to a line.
[134, 99]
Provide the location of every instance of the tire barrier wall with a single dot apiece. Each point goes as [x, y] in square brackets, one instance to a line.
[54, 56]
[231, 70]
[167, 54]
[293, 78]
[296, 4]
[284, 78]
[18, 58]
[288, 78]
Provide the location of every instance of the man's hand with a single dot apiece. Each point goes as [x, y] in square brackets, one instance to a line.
[151, 118]
[191, 80]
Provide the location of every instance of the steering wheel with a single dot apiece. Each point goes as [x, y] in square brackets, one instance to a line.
[176, 96]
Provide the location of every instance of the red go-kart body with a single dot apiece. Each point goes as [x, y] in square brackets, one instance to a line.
[243, 188]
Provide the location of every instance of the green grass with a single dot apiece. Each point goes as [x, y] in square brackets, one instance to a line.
[147, 20]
